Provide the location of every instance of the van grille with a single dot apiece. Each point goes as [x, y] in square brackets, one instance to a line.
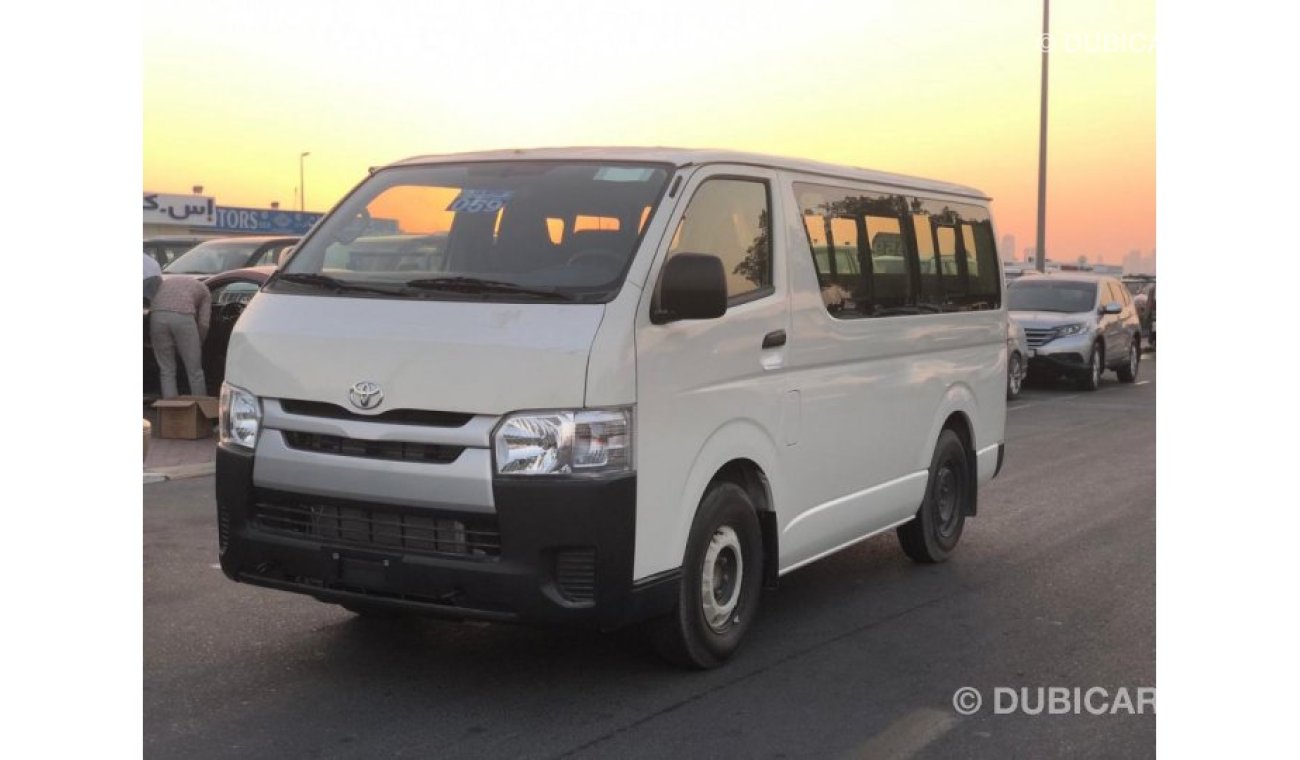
[394, 416]
[223, 528]
[575, 574]
[397, 451]
[421, 531]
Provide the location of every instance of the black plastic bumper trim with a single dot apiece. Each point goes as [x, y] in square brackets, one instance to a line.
[536, 519]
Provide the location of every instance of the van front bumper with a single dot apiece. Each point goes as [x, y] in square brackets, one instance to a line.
[556, 551]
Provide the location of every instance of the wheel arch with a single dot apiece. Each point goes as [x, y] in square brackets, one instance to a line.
[740, 452]
[958, 413]
[747, 474]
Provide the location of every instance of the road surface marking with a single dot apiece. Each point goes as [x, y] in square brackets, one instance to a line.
[908, 735]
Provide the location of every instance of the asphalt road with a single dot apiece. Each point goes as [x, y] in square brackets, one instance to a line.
[855, 656]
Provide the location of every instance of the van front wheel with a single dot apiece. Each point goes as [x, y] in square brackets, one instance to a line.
[935, 531]
[721, 582]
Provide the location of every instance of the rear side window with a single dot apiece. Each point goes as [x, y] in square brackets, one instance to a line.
[880, 255]
[729, 218]
[957, 256]
[860, 250]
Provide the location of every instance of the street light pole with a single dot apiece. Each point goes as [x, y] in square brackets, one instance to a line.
[1040, 254]
[302, 184]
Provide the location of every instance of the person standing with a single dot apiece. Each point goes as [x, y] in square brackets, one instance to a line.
[178, 323]
[152, 278]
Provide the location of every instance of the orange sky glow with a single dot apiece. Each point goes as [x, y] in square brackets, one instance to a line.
[235, 91]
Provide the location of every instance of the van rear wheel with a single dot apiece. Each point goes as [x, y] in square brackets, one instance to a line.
[934, 533]
[721, 582]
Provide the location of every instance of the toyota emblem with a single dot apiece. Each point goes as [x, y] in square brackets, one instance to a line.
[366, 395]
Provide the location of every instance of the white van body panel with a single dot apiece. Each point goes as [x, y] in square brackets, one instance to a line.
[874, 395]
[454, 356]
[611, 369]
[707, 393]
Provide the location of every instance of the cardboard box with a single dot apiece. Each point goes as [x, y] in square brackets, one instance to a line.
[187, 417]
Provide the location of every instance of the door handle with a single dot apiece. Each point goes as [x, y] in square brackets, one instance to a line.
[774, 339]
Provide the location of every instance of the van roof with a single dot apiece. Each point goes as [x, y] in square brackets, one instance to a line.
[681, 157]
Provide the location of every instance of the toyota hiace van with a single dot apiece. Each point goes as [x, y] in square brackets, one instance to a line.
[620, 386]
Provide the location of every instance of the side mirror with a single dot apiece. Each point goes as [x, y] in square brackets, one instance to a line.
[1113, 307]
[691, 286]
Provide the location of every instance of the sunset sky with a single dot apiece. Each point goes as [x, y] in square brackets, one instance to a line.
[234, 91]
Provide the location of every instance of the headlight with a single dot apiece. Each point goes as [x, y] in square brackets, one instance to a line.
[1073, 329]
[583, 441]
[241, 416]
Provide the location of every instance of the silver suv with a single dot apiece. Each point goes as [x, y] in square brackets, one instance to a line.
[1078, 325]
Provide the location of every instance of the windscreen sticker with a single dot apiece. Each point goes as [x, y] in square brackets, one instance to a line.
[624, 174]
[479, 201]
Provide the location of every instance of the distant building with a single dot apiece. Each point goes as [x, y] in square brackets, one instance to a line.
[1008, 248]
[1136, 263]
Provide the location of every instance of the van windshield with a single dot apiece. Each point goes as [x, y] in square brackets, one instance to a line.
[1035, 294]
[508, 231]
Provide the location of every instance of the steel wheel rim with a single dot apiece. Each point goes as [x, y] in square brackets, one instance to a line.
[721, 579]
[1096, 367]
[1016, 375]
[947, 498]
[1132, 360]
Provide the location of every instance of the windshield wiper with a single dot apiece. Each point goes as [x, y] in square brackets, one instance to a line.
[474, 285]
[337, 285]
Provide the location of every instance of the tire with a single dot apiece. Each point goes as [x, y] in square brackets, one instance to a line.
[932, 536]
[1015, 374]
[1129, 372]
[725, 536]
[1090, 379]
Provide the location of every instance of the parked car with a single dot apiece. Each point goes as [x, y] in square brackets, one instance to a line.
[1017, 358]
[224, 254]
[1146, 306]
[167, 248]
[1136, 283]
[231, 292]
[620, 393]
[1078, 325]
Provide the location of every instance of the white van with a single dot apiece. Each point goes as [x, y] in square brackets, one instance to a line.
[616, 385]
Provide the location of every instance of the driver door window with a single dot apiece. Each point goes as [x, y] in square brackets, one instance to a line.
[729, 218]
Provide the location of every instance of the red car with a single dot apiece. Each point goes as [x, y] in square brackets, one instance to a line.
[231, 292]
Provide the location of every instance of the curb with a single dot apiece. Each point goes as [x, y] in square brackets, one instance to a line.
[179, 472]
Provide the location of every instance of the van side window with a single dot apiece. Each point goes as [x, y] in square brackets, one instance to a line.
[931, 288]
[729, 218]
[958, 257]
[863, 262]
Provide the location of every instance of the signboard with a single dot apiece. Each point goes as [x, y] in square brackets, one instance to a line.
[263, 221]
[187, 210]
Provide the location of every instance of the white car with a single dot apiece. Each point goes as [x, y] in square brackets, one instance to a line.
[634, 386]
